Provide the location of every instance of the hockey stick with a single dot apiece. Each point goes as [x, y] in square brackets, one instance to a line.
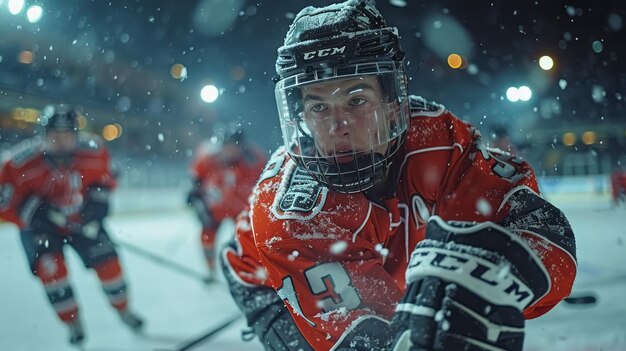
[581, 299]
[591, 298]
[163, 261]
[211, 332]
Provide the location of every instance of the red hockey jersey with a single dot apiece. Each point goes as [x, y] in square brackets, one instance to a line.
[336, 259]
[226, 187]
[29, 172]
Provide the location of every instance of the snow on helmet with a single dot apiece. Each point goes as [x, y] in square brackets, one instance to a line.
[341, 94]
[59, 118]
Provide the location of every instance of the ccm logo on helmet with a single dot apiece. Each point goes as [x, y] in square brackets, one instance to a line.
[324, 52]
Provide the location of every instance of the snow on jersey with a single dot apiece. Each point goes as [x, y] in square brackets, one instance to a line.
[336, 259]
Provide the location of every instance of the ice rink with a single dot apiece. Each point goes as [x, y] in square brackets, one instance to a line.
[179, 308]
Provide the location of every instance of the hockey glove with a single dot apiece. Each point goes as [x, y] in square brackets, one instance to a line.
[265, 313]
[196, 201]
[40, 216]
[467, 285]
[95, 209]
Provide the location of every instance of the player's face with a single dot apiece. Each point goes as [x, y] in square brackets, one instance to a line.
[346, 116]
[61, 142]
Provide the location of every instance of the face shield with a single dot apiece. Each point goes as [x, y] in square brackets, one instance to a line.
[61, 143]
[342, 125]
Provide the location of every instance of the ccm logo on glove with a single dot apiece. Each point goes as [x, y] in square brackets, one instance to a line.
[455, 266]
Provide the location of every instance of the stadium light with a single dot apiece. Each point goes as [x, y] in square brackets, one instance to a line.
[455, 61]
[15, 6]
[512, 94]
[34, 13]
[569, 139]
[546, 63]
[522, 93]
[209, 93]
[178, 71]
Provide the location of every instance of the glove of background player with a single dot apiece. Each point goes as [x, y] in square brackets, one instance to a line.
[39, 215]
[467, 285]
[95, 209]
[196, 201]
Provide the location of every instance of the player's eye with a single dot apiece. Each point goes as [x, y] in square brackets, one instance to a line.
[357, 101]
[318, 108]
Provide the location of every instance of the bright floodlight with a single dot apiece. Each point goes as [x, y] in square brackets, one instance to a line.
[34, 13]
[209, 93]
[546, 63]
[512, 94]
[524, 93]
[15, 6]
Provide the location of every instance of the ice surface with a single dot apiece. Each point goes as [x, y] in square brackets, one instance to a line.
[178, 308]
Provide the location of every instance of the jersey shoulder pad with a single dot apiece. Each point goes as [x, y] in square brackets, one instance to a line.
[289, 203]
[438, 128]
[286, 191]
[26, 151]
[422, 107]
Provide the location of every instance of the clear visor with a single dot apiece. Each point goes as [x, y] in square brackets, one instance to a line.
[343, 118]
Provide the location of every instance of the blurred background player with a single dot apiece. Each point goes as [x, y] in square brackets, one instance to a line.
[223, 172]
[56, 189]
[618, 186]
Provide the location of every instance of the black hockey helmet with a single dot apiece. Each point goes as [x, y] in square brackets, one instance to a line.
[337, 35]
[59, 118]
[339, 44]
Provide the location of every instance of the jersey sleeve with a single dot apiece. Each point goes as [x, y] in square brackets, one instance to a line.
[484, 184]
[13, 187]
[243, 259]
[10, 196]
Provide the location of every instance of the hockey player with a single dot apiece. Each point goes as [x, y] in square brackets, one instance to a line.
[223, 173]
[384, 222]
[56, 190]
[618, 186]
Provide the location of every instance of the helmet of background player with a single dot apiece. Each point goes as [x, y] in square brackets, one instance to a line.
[341, 94]
[61, 129]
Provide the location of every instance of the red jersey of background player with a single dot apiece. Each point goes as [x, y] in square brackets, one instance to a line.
[62, 185]
[336, 259]
[226, 185]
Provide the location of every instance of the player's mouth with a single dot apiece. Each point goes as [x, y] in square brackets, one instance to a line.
[345, 156]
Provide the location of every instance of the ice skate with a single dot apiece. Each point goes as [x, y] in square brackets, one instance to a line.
[77, 335]
[132, 320]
